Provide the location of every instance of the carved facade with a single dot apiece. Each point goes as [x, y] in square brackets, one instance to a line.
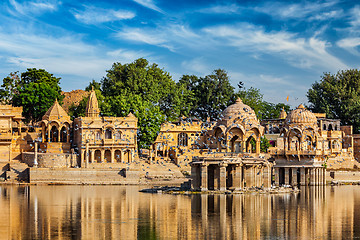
[234, 161]
[104, 139]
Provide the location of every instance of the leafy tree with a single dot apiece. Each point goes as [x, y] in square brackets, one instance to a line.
[211, 94]
[338, 95]
[146, 90]
[264, 144]
[272, 110]
[253, 98]
[36, 91]
[79, 109]
[8, 88]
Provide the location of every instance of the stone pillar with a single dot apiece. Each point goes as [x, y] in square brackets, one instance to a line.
[102, 155]
[237, 177]
[257, 148]
[216, 177]
[302, 176]
[243, 146]
[92, 156]
[294, 177]
[286, 176]
[87, 154]
[222, 185]
[122, 155]
[266, 176]
[312, 176]
[112, 155]
[195, 178]
[204, 177]
[59, 133]
[277, 176]
[35, 154]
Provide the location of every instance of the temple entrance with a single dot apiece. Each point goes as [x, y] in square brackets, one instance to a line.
[211, 177]
[54, 132]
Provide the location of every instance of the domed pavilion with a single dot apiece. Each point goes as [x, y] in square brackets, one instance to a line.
[238, 130]
[235, 161]
[301, 150]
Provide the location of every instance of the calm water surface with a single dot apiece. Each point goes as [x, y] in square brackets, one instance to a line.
[121, 212]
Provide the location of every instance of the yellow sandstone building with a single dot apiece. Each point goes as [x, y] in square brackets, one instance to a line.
[222, 155]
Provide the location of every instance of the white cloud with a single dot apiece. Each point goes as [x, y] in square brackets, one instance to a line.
[296, 10]
[350, 44]
[196, 66]
[355, 16]
[149, 4]
[299, 52]
[335, 14]
[94, 15]
[61, 56]
[167, 36]
[221, 9]
[127, 55]
[33, 7]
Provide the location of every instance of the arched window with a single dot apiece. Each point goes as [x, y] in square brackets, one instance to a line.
[63, 134]
[54, 132]
[324, 127]
[182, 139]
[98, 136]
[330, 127]
[108, 133]
[118, 135]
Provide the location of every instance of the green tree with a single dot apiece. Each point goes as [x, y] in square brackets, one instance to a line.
[210, 94]
[79, 109]
[338, 95]
[9, 88]
[264, 144]
[146, 90]
[272, 110]
[36, 91]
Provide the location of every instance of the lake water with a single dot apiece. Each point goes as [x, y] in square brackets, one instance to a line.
[121, 212]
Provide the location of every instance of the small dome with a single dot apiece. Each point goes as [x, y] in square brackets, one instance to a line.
[301, 115]
[239, 110]
[283, 114]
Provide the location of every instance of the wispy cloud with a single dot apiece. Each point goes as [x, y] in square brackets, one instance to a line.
[64, 55]
[350, 44]
[171, 36]
[149, 4]
[221, 9]
[33, 7]
[296, 10]
[125, 55]
[196, 66]
[300, 52]
[94, 15]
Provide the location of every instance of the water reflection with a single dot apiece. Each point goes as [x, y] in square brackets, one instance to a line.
[121, 212]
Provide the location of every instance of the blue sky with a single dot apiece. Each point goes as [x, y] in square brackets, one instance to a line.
[281, 47]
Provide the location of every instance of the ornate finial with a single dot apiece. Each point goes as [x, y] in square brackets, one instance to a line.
[283, 114]
[238, 100]
[301, 106]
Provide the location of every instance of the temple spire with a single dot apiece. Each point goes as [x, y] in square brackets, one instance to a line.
[92, 106]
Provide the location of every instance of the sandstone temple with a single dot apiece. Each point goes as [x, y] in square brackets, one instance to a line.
[306, 148]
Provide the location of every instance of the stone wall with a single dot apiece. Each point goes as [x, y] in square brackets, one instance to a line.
[49, 160]
[83, 176]
[343, 176]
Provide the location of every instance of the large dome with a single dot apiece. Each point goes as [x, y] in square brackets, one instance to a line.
[239, 111]
[301, 115]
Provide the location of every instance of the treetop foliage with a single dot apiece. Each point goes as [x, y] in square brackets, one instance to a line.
[35, 90]
[338, 95]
